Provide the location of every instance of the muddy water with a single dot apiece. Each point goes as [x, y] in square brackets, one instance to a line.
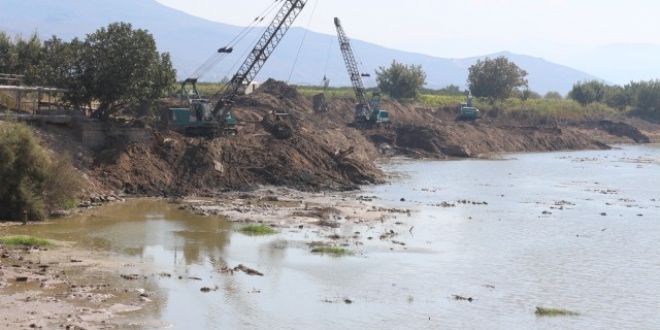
[574, 230]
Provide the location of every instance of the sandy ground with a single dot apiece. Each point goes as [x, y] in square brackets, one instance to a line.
[64, 287]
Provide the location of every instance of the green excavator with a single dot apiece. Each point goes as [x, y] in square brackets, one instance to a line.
[210, 117]
[468, 111]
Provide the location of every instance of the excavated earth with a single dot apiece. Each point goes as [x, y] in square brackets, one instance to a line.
[325, 153]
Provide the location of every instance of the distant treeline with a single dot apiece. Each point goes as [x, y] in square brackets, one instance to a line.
[642, 97]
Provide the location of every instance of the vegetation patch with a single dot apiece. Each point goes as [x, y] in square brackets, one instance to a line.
[34, 182]
[332, 250]
[22, 240]
[554, 312]
[257, 230]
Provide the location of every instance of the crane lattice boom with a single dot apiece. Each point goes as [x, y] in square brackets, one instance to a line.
[259, 55]
[363, 107]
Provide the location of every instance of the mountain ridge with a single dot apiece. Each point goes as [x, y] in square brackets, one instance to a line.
[191, 40]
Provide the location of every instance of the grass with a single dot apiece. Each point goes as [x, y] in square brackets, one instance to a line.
[257, 230]
[554, 312]
[332, 250]
[22, 240]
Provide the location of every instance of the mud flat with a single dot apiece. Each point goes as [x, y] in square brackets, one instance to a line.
[286, 208]
[69, 287]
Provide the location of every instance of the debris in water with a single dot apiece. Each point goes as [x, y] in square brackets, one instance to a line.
[248, 270]
[542, 311]
[461, 298]
[131, 277]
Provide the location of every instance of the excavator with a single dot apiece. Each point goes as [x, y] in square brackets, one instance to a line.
[213, 117]
[367, 112]
[468, 111]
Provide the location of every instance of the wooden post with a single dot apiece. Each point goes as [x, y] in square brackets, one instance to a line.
[18, 101]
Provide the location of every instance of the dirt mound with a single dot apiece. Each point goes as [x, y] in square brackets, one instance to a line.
[623, 130]
[279, 89]
[174, 164]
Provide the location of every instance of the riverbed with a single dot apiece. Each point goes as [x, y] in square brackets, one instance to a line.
[485, 244]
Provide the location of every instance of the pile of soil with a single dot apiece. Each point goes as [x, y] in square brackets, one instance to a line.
[316, 157]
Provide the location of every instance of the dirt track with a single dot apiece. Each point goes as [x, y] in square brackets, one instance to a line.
[324, 153]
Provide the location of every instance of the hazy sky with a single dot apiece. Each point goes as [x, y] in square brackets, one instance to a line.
[618, 40]
[459, 28]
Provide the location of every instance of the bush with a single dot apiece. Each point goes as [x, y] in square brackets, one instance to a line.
[33, 182]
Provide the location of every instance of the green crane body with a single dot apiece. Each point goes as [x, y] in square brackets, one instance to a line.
[212, 117]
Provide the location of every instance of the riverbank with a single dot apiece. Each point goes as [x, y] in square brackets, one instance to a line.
[325, 152]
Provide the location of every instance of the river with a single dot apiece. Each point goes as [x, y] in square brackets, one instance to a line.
[572, 230]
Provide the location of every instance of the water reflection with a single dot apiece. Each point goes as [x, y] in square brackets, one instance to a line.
[137, 228]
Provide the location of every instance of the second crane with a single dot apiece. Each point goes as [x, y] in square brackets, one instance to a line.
[367, 112]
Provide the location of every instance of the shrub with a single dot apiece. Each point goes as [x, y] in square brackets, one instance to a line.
[32, 181]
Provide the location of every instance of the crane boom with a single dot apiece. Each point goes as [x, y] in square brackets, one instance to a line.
[363, 108]
[258, 56]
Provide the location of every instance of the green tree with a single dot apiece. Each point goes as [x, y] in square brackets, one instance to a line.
[617, 97]
[552, 95]
[32, 181]
[646, 96]
[29, 54]
[496, 79]
[8, 57]
[401, 81]
[588, 92]
[122, 69]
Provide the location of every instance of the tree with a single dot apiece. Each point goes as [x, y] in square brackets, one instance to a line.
[588, 92]
[401, 81]
[527, 94]
[495, 79]
[646, 96]
[122, 69]
[552, 95]
[29, 54]
[8, 57]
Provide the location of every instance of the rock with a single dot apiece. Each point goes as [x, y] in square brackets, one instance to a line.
[21, 279]
[468, 299]
[59, 213]
[248, 270]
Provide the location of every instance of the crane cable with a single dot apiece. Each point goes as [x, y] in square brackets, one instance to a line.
[309, 23]
[258, 36]
[218, 57]
[326, 81]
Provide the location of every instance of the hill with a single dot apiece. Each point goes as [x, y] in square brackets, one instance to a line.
[191, 40]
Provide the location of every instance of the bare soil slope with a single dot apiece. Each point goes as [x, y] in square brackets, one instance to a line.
[325, 153]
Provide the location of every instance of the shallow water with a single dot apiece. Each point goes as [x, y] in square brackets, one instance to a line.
[597, 256]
